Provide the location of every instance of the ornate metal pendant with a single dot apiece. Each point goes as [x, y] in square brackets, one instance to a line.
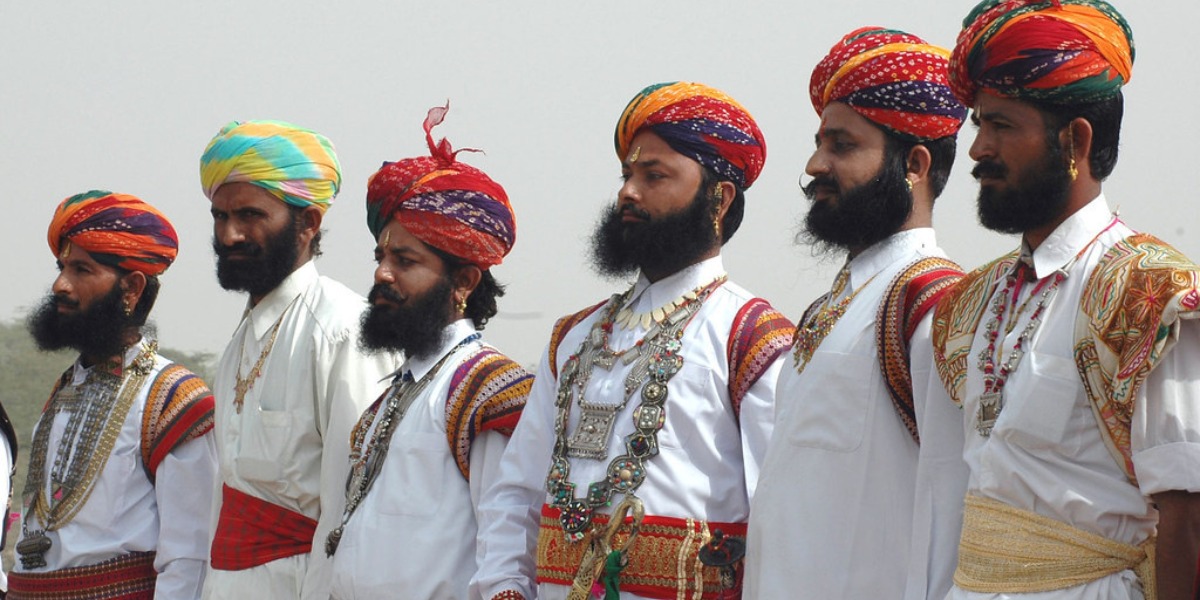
[990, 404]
[33, 550]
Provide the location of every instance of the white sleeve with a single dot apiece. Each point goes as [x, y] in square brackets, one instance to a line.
[486, 453]
[756, 420]
[1165, 436]
[184, 488]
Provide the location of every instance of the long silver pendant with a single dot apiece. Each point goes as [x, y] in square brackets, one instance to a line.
[590, 439]
[990, 404]
[33, 550]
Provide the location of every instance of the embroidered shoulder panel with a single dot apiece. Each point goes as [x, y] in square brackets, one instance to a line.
[1128, 319]
[760, 334]
[561, 327]
[910, 295]
[487, 393]
[956, 318]
[178, 409]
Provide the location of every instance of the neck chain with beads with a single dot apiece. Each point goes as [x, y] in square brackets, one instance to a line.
[98, 408]
[656, 358]
[366, 457]
[817, 324]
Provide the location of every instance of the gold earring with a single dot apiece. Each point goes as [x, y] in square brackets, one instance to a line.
[909, 184]
[1071, 170]
[128, 309]
[461, 305]
[716, 193]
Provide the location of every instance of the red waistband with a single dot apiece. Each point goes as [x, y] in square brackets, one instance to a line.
[129, 577]
[252, 532]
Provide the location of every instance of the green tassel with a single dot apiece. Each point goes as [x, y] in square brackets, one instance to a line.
[612, 575]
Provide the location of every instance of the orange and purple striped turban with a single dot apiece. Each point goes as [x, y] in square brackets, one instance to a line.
[449, 205]
[1051, 51]
[117, 230]
[892, 78]
[294, 164]
[699, 122]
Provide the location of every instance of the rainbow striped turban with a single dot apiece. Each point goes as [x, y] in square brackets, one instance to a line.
[892, 78]
[296, 165]
[1051, 51]
[699, 122]
[118, 230]
[449, 205]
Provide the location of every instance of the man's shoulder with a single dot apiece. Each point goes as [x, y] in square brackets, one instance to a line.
[334, 308]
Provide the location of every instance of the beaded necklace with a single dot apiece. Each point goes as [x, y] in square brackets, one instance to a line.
[819, 323]
[656, 359]
[366, 457]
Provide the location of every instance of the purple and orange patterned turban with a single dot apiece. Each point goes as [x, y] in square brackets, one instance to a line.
[892, 78]
[449, 205]
[699, 122]
[296, 165]
[1052, 51]
[117, 230]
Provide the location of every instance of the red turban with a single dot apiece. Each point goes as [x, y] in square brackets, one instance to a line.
[893, 79]
[117, 230]
[449, 205]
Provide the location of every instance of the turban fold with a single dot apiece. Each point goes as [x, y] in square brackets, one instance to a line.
[296, 165]
[1052, 51]
[117, 230]
[893, 79]
[449, 205]
[699, 122]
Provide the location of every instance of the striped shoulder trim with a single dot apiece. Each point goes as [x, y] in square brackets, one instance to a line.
[760, 334]
[179, 409]
[910, 296]
[561, 327]
[487, 393]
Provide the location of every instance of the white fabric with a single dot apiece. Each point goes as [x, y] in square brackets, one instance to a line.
[416, 529]
[833, 511]
[289, 443]
[126, 513]
[6, 463]
[1046, 453]
[706, 467]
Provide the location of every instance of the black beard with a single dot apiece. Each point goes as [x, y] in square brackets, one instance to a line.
[261, 269]
[416, 326]
[98, 331]
[1036, 200]
[664, 245]
[860, 216]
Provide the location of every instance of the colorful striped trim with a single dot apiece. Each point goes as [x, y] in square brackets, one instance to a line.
[664, 562]
[487, 393]
[911, 294]
[561, 327]
[128, 577]
[759, 335]
[178, 409]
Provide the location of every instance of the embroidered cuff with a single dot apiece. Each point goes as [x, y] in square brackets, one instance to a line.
[509, 595]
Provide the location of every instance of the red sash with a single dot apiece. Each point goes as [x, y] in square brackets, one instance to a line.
[252, 532]
[129, 577]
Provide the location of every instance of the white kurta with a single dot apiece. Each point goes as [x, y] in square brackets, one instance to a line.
[289, 443]
[6, 462]
[1046, 454]
[833, 511]
[127, 513]
[416, 529]
[707, 464]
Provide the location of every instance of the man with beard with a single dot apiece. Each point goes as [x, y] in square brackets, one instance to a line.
[122, 468]
[1074, 357]
[292, 380]
[845, 443]
[423, 455]
[657, 403]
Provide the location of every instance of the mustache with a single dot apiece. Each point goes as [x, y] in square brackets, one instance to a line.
[242, 248]
[989, 168]
[630, 209]
[820, 181]
[380, 290]
[62, 300]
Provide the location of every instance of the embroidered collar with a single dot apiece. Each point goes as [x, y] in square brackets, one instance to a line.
[80, 372]
[1061, 246]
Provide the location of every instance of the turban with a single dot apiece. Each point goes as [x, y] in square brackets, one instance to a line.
[296, 165]
[699, 122]
[894, 79]
[1051, 51]
[446, 204]
[117, 230]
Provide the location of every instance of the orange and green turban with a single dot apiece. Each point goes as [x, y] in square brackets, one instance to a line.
[699, 122]
[117, 230]
[892, 78]
[296, 165]
[1050, 51]
[446, 204]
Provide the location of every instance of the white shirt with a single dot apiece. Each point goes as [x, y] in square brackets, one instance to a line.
[289, 443]
[127, 513]
[1045, 453]
[416, 529]
[833, 511]
[6, 461]
[707, 465]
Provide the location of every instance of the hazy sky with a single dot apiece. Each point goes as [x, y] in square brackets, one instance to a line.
[125, 95]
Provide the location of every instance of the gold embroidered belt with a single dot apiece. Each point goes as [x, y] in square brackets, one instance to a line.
[664, 562]
[128, 577]
[1006, 549]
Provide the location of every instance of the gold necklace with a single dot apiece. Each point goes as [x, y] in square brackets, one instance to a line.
[243, 385]
[812, 330]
